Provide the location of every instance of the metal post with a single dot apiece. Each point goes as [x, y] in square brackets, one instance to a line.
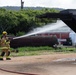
[60, 38]
[22, 4]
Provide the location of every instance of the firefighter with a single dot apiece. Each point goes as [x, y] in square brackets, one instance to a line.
[5, 46]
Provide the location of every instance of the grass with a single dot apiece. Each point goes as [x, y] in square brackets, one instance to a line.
[30, 51]
[35, 48]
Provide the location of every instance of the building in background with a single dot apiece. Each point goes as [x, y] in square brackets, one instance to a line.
[62, 34]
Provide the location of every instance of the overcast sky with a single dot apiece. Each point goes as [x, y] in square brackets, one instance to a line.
[67, 4]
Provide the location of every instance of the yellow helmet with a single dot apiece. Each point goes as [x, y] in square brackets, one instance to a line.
[4, 32]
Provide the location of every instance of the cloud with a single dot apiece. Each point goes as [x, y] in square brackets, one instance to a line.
[44, 3]
[9, 2]
[52, 3]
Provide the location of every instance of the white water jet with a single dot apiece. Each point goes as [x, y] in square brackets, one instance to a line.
[45, 28]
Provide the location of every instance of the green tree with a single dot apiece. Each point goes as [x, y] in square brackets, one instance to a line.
[22, 21]
[7, 21]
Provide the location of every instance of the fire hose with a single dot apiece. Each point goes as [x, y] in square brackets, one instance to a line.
[17, 72]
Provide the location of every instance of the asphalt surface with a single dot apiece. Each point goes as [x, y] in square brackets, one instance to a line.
[54, 64]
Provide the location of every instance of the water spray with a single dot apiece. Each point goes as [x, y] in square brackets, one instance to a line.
[45, 28]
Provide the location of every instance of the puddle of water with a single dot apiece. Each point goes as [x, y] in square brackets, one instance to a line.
[65, 59]
[73, 63]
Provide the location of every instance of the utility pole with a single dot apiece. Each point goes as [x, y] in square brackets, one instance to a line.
[22, 3]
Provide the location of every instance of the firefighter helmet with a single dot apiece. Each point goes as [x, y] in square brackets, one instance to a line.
[4, 32]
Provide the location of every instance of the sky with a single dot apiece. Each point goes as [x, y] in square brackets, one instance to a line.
[66, 4]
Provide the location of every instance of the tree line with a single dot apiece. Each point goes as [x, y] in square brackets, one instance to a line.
[23, 21]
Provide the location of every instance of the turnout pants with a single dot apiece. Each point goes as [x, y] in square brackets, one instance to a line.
[5, 51]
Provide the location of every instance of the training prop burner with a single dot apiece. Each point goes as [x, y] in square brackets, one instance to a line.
[67, 16]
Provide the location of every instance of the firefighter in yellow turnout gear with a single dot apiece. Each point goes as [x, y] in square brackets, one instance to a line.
[5, 46]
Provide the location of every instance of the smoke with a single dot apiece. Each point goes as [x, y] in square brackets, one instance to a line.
[43, 29]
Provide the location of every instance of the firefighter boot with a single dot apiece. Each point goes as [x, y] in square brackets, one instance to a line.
[2, 54]
[1, 58]
[7, 57]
